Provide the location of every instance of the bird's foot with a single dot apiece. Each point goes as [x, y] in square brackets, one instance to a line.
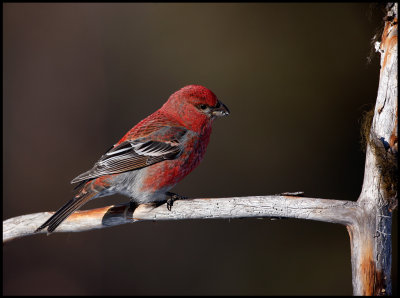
[173, 198]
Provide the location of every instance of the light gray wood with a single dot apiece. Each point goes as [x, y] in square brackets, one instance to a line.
[237, 207]
[371, 248]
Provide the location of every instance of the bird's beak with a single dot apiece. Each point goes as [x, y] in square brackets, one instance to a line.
[220, 110]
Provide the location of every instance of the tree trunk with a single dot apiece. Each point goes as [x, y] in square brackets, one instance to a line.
[370, 236]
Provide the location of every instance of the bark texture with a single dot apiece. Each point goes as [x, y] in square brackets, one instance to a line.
[371, 240]
[236, 207]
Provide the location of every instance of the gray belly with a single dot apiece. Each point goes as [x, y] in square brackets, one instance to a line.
[129, 184]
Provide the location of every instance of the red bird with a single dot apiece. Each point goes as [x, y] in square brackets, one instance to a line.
[153, 156]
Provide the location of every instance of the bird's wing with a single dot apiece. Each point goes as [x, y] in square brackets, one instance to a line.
[162, 144]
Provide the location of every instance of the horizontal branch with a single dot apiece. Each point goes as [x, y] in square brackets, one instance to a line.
[334, 211]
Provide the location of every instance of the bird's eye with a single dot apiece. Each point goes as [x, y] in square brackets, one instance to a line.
[203, 107]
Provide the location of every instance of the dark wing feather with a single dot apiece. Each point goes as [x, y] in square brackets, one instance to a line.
[132, 155]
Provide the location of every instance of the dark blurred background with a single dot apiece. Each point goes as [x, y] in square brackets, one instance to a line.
[77, 76]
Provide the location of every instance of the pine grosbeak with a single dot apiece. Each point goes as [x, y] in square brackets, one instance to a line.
[153, 156]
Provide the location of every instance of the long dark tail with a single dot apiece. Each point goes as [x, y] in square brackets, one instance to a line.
[53, 222]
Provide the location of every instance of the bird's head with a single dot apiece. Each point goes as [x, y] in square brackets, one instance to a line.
[195, 106]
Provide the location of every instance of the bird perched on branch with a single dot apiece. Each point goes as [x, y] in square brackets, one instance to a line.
[153, 156]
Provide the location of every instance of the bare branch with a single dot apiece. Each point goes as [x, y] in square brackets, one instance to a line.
[333, 211]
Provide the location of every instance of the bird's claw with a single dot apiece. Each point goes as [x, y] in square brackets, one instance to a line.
[170, 202]
[172, 199]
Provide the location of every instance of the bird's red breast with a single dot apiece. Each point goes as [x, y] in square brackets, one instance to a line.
[170, 172]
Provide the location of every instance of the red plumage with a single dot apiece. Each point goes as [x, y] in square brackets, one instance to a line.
[154, 155]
